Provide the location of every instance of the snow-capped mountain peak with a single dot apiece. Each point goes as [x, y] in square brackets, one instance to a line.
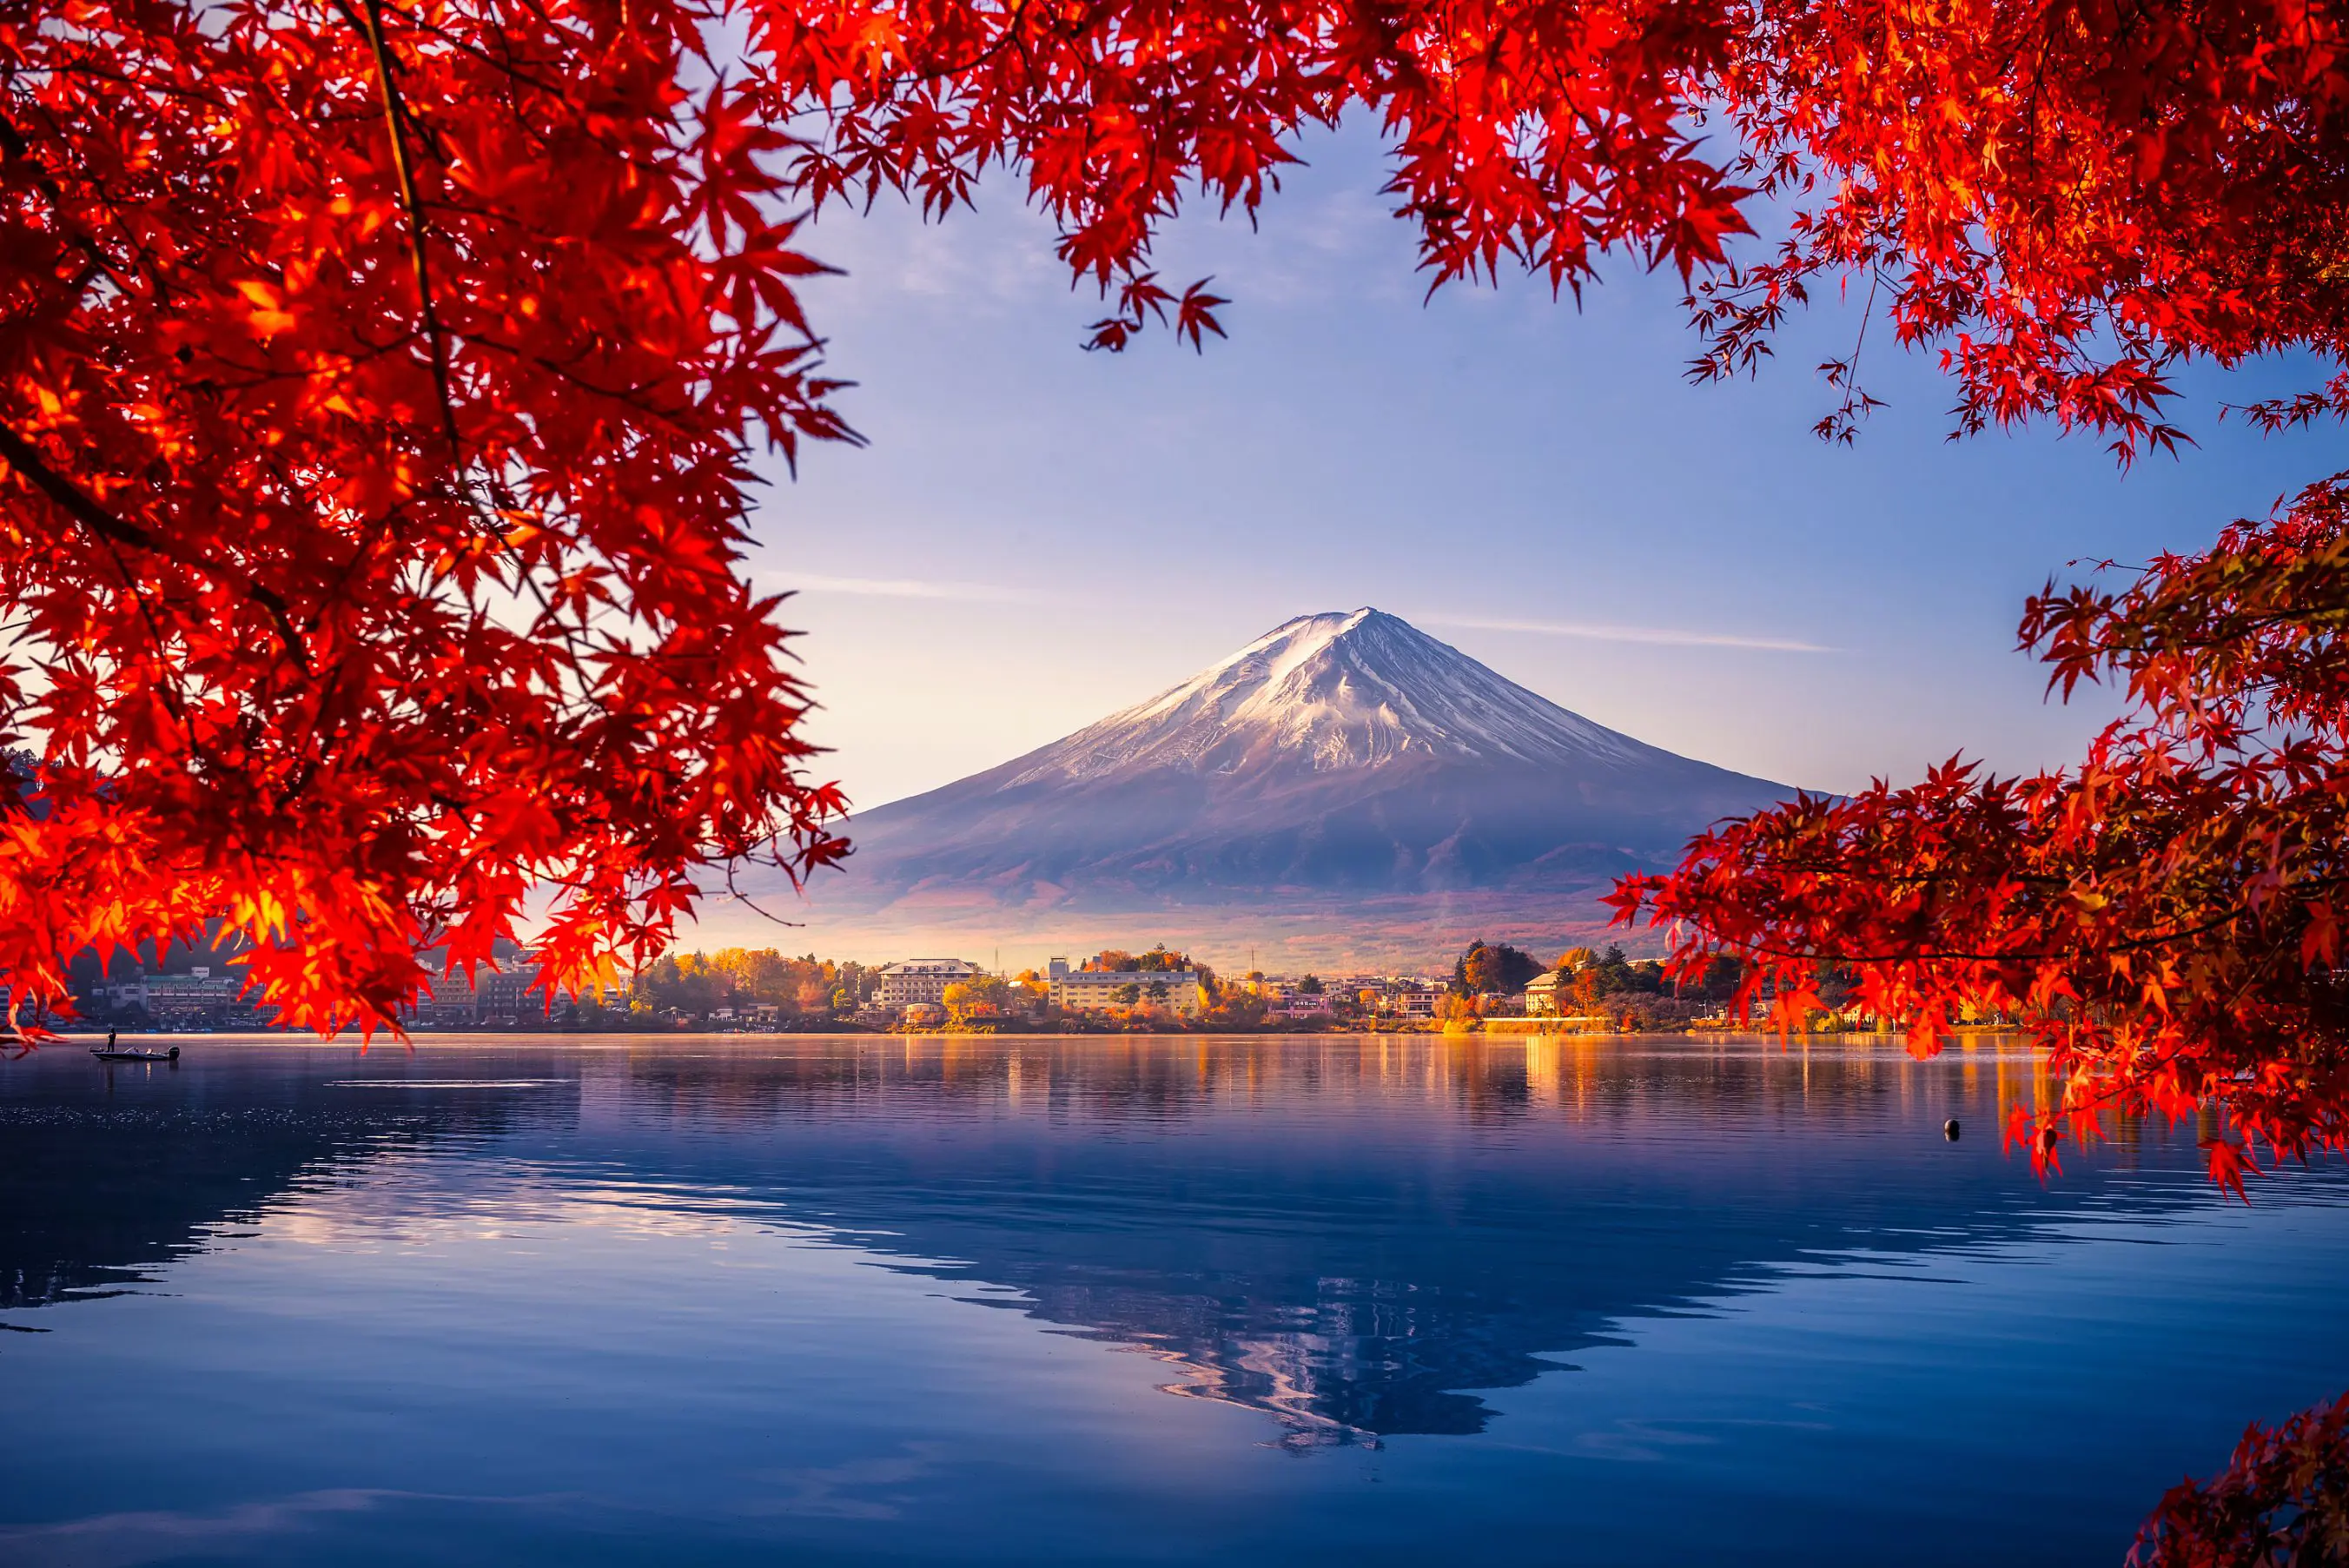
[1334, 691]
[1344, 783]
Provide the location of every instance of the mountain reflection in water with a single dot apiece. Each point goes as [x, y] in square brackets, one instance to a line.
[1353, 1235]
[1349, 1234]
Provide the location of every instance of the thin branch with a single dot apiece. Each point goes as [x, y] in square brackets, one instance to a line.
[84, 509]
[419, 263]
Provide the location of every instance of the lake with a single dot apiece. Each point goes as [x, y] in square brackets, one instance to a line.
[1339, 1299]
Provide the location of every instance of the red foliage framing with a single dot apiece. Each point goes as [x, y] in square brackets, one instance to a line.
[379, 381]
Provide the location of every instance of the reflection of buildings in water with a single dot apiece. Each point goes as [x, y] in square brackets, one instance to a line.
[1499, 1077]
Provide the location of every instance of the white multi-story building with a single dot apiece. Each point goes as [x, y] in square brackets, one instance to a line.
[506, 995]
[922, 980]
[1098, 990]
[1411, 1002]
[200, 995]
[451, 1005]
[1551, 995]
[511, 992]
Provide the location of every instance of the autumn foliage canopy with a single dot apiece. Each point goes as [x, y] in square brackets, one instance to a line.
[381, 385]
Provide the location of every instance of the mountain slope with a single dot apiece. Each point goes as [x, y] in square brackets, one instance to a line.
[1337, 760]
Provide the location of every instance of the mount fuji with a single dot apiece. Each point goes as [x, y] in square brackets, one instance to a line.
[1344, 788]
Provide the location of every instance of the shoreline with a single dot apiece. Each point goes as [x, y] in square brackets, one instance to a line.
[425, 1038]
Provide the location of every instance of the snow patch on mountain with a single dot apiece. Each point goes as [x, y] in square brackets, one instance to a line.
[1335, 691]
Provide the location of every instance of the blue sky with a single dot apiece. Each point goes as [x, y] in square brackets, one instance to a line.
[1037, 535]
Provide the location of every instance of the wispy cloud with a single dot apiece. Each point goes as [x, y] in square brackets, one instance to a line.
[1664, 636]
[896, 587]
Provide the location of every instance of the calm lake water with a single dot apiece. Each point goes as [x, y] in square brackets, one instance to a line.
[1340, 1300]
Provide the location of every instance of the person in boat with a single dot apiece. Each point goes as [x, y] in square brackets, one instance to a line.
[109, 1040]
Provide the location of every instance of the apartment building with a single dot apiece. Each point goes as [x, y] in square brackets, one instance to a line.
[1411, 1002]
[461, 1001]
[1099, 990]
[201, 996]
[922, 980]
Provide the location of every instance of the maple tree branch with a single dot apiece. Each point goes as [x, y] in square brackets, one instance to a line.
[1010, 37]
[1936, 955]
[14, 147]
[420, 264]
[735, 893]
[84, 509]
[464, 45]
[630, 396]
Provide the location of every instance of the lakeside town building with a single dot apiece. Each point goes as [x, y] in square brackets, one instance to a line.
[181, 1001]
[1099, 990]
[1548, 995]
[919, 980]
[1409, 1001]
[504, 997]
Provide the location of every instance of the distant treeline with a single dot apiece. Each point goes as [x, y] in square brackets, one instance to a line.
[737, 979]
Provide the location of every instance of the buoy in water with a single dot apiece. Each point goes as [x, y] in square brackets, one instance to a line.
[1950, 1129]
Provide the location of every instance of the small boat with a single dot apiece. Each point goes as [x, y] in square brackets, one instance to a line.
[102, 1054]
